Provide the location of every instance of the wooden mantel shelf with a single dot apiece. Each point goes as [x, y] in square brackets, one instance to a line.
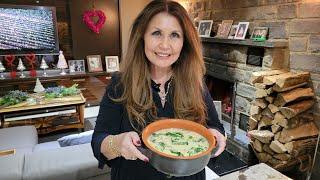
[52, 74]
[281, 43]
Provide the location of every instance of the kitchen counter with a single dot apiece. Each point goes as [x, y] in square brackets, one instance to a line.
[259, 171]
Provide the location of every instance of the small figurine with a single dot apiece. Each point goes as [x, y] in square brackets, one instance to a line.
[62, 63]
[2, 69]
[44, 66]
[21, 67]
[38, 88]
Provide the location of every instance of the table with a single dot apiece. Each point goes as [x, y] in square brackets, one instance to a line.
[47, 115]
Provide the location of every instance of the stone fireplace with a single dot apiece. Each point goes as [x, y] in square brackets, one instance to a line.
[223, 91]
[230, 64]
[295, 21]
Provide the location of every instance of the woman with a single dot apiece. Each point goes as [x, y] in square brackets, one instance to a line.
[160, 77]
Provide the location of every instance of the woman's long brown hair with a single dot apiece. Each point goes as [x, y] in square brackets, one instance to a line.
[188, 70]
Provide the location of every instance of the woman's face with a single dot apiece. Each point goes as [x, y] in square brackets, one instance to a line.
[163, 40]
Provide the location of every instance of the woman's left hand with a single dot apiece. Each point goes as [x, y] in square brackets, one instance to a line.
[221, 141]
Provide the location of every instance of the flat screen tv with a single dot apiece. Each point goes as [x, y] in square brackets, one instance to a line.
[28, 29]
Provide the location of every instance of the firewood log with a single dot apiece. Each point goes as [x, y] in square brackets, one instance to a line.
[254, 110]
[266, 120]
[275, 128]
[304, 131]
[294, 95]
[297, 108]
[264, 136]
[279, 119]
[270, 80]
[257, 145]
[286, 80]
[269, 99]
[273, 162]
[288, 123]
[292, 80]
[264, 157]
[252, 123]
[260, 93]
[260, 85]
[282, 156]
[282, 166]
[308, 116]
[277, 89]
[277, 136]
[257, 116]
[277, 147]
[266, 148]
[267, 112]
[300, 145]
[257, 77]
[273, 108]
[262, 103]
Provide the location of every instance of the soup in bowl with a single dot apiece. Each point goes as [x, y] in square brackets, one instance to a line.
[177, 147]
[178, 142]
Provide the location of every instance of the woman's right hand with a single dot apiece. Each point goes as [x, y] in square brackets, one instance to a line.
[126, 143]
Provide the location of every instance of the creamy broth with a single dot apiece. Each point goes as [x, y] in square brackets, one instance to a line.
[178, 142]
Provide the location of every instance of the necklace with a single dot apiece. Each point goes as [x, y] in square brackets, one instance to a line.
[163, 94]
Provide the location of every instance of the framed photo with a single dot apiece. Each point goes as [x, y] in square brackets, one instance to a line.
[94, 63]
[233, 31]
[112, 63]
[259, 33]
[76, 66]
[204, 28]
[241, 30]
[224, 29]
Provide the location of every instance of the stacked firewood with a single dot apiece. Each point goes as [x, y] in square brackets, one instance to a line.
[281, 123]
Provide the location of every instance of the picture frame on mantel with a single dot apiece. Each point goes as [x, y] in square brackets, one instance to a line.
[204, 28]
[224, 29]
[112, 64]
[241, 30]
[94, 63]
[233, 31]
[77, 66]
[259, 34]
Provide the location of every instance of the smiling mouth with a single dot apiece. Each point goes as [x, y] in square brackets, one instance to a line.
[162, 54]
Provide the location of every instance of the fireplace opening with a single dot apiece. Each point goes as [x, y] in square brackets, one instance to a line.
[223, 91]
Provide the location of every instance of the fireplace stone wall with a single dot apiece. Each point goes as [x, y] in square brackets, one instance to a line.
[227, 60]
[297, 21]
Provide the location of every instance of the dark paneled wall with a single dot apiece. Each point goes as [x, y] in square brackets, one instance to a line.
[75, 38]
[86, 42]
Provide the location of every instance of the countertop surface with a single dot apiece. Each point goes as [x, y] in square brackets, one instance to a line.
[259, 171]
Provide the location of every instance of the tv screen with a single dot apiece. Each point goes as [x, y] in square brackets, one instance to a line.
[28, 29]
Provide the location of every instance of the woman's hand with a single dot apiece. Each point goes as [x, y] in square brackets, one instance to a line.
[221, 142]
[127, 142]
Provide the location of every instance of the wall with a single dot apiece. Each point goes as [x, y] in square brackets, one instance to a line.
[298, 21]
[129, 10]
[86, 42]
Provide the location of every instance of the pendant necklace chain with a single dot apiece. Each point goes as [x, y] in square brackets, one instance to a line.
[163, 94]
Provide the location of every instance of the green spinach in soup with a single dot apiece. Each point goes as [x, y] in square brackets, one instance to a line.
[178, 142]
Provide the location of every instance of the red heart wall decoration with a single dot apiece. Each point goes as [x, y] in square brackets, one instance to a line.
[87, 19]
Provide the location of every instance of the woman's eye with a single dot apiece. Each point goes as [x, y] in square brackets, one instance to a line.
[156, 33]
[175, 35]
